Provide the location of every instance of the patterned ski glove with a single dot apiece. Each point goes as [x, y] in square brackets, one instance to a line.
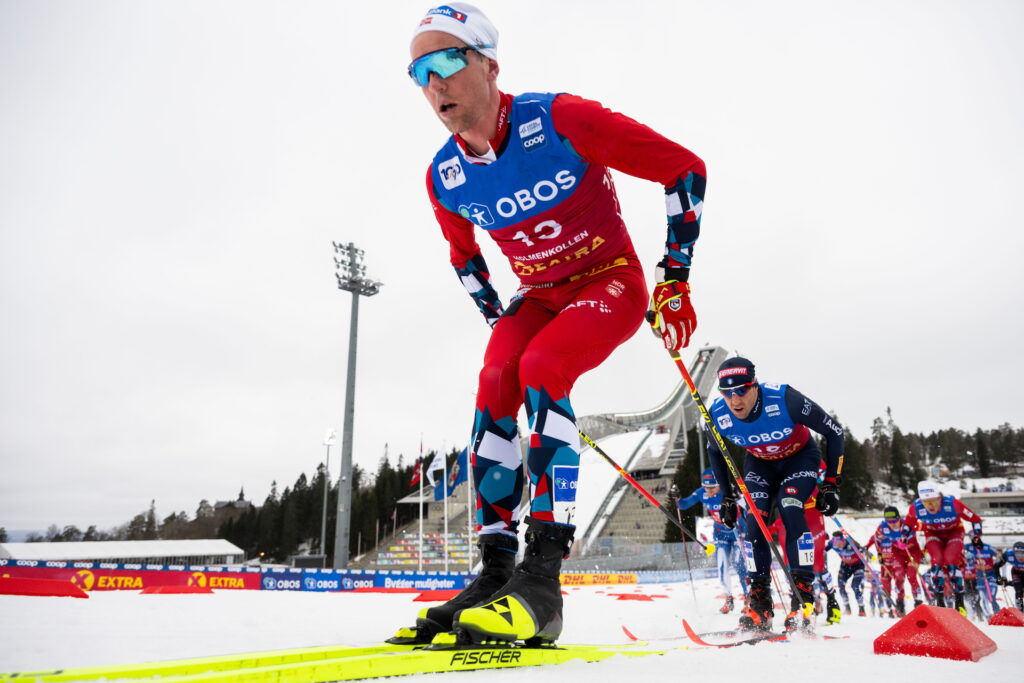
[671, 314]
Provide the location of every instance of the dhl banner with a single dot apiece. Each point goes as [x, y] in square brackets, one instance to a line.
[597, 579]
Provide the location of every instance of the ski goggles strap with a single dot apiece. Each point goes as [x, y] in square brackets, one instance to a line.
[444, 63]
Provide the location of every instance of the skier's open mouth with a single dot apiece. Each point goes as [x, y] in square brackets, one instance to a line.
[447, 107]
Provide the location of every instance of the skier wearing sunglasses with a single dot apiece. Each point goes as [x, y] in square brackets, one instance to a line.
[773, 423]
[532, 172]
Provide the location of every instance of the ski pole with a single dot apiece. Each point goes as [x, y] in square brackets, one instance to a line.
[686, 554]
[984, 578]
[896, 590]
[708, 548]
[915, 566]
[709, 426]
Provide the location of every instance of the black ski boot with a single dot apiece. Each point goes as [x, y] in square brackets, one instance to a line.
[498, 553]
[529, 606]
[758, 614]
[901, 610]
[918, 602]
[834, 614]
[801, 604]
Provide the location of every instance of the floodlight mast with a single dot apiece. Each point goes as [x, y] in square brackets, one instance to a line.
[351, 276]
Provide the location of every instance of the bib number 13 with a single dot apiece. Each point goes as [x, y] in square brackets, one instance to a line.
[546, 230]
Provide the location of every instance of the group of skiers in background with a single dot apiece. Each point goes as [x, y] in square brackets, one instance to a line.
[965, 572]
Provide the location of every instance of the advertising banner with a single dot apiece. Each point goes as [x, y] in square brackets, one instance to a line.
[597, 579]
[104, 576]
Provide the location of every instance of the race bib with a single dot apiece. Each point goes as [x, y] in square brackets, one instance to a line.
[805, 549]
[748, 556]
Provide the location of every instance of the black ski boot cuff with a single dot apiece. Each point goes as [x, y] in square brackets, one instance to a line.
[498, 541]
[538, 532]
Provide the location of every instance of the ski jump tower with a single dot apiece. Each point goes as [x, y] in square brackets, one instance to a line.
[677, 413]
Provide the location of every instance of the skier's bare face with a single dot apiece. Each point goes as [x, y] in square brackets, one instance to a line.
[742, 405]
[463, 100]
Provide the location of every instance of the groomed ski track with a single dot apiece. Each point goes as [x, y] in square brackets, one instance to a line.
[126, 627]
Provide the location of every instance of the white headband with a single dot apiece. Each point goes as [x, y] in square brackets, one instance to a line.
[465, 22]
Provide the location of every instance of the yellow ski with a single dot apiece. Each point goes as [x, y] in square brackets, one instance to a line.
[345, 664]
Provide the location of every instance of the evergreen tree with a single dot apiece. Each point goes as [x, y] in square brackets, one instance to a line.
[880, 440]
[981, 452]
[91, 534]
[3, 535]
[268, 524]
[953, 450]
[150, 531]
[900, 474]
[137, 528]
[858, 489]
[289, 539]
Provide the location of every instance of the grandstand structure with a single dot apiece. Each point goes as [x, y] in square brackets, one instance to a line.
[650, 445]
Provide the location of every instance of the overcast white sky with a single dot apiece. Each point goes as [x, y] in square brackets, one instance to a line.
[172, 175]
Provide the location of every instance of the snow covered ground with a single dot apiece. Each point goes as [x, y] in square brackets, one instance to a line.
[123, 627]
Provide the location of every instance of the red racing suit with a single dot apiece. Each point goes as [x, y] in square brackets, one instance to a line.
[899, 558]
[544, 193]
[943, 530]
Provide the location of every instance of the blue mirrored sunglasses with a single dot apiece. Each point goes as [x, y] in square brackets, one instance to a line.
[444, 63]
[738, 391]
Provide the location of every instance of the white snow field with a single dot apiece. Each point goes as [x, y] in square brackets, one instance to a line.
[120, 627]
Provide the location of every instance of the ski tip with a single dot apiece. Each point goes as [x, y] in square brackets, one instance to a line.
[629, 634]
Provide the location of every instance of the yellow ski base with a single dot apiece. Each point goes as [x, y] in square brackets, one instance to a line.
[347, 664]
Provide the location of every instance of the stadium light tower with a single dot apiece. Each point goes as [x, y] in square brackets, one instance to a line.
[351, 274]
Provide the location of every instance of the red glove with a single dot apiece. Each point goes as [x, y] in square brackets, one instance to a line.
[671, 313]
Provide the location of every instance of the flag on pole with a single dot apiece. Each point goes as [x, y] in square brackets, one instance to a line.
[416, 472]
[436, 465]
[456, 475]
